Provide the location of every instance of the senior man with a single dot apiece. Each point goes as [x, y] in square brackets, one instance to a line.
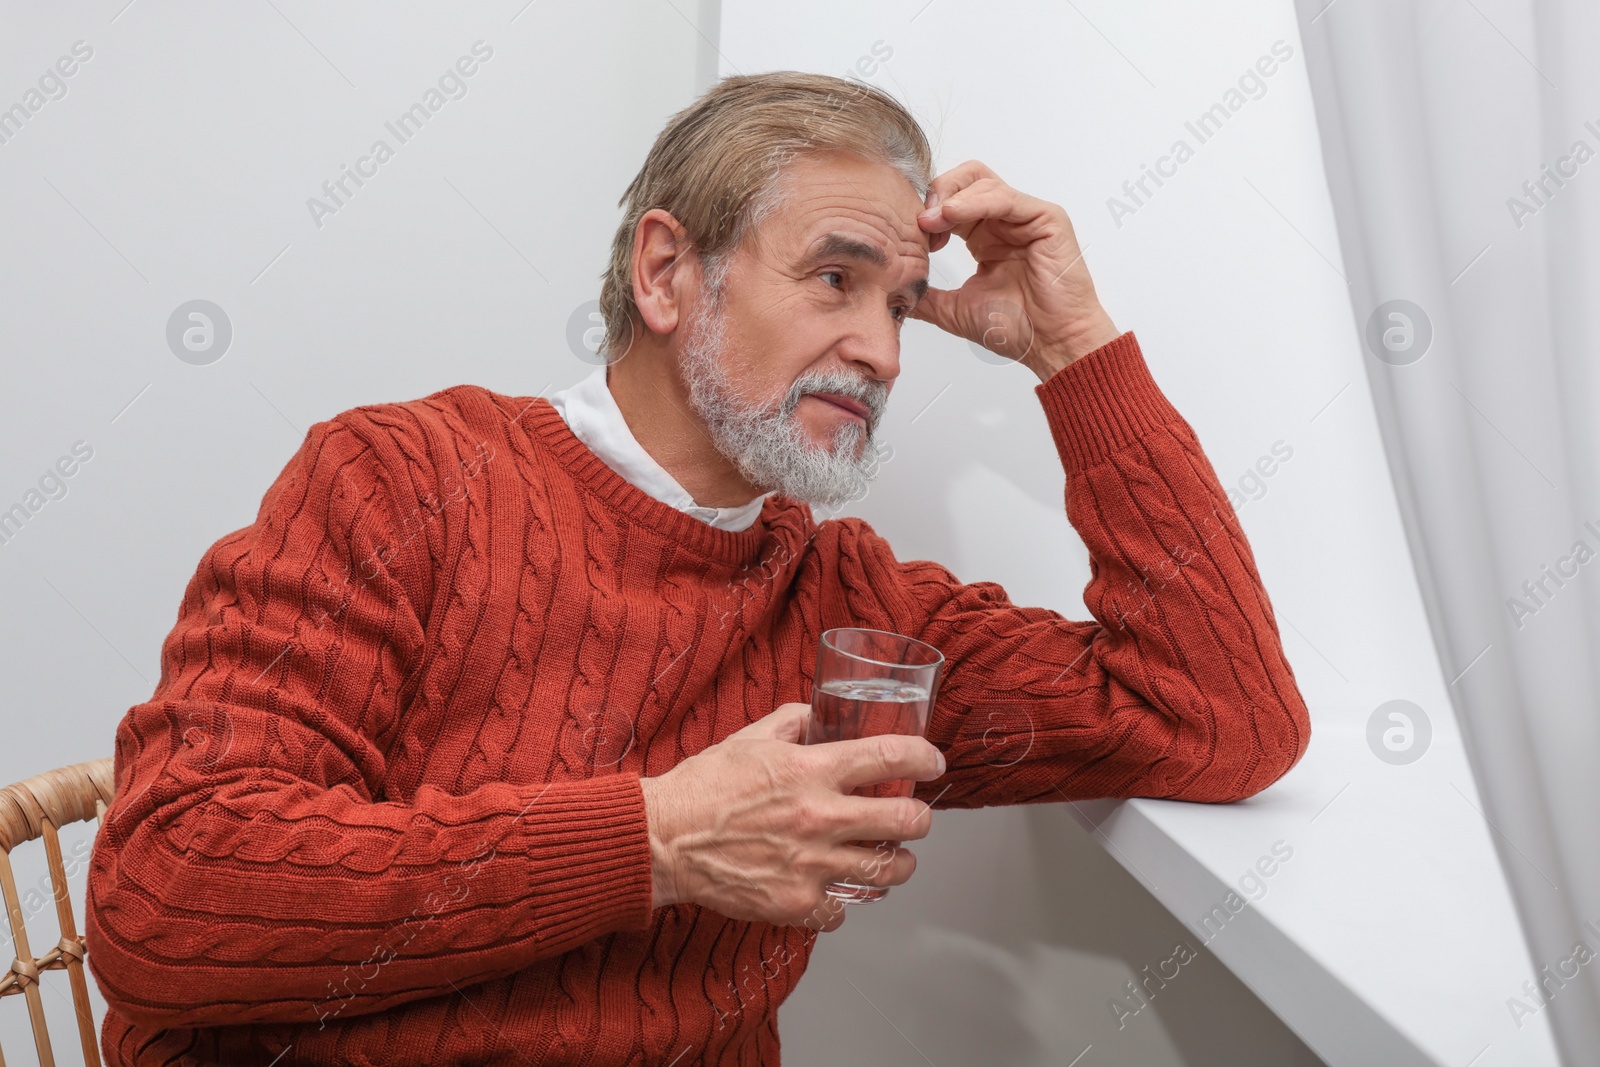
[479, 745]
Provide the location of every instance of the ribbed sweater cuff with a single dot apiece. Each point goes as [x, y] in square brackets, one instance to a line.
[1103, 401]
[588, 850]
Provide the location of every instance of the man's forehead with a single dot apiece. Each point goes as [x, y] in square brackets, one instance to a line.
[870, 232]
[876, 198]
[866, 247]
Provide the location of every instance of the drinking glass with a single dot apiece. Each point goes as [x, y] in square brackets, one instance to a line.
[871, 682]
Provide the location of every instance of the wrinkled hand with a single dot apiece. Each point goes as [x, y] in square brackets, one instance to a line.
[1031, 298]
[754, 826]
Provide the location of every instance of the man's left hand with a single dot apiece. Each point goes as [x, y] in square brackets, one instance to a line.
[1031, 298]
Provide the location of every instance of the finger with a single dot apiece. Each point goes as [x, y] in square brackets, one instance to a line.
[996, 242]
[883, 758]
[881, 866]
[933, 216]
[785, 723]
[879, 819]
[995, 200]
[829, 916]
[959, 177]
[937, 306]
[969, 175]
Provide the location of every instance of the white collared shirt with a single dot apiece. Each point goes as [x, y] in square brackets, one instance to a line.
[591, 413]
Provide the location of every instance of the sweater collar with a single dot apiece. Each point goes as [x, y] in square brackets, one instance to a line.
[780, 515]
[591, 412]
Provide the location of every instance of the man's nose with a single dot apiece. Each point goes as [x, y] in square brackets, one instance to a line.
[874, 350]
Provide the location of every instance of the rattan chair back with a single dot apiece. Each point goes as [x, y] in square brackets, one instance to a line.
[32, 810]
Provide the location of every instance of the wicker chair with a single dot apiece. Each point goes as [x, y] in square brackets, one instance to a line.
[29, 810]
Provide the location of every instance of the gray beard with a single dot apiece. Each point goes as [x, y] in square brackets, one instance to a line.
[768, 444]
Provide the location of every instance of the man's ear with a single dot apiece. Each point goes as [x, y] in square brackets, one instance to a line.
[661, 247]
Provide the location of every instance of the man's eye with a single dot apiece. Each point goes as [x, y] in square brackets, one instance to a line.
[836, 273]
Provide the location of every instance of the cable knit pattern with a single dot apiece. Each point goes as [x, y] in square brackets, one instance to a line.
[384, 804]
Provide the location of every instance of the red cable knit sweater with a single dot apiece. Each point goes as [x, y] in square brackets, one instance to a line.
[384, 805]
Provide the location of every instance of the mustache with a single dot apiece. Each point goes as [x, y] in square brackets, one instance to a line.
[871, 394]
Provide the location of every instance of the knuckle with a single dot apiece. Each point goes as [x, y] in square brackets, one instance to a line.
[885, 863]
[790, 764]
[886, 754]
[795, 903]
[913, 818]
[809, 819]
[878, 869]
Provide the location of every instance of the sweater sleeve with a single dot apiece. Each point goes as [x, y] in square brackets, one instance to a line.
[1179, 687]
[250, 868]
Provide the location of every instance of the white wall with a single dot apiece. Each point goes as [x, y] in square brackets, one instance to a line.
[178, 166]
[1018, 928]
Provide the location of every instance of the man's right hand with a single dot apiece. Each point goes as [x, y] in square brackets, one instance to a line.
[755, 825]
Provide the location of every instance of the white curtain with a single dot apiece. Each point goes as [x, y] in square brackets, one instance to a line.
[1461, 140]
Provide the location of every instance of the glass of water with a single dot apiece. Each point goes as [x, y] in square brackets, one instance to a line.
[871, 682]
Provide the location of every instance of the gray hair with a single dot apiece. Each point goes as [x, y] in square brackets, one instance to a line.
[720, 167]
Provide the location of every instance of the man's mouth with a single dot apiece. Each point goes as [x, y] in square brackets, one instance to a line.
[853, 406]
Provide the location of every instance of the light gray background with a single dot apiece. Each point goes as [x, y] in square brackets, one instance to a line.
[178, 167]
